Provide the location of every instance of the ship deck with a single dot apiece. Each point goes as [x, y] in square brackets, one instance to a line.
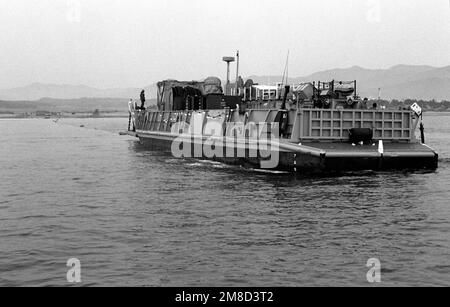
[391, 149]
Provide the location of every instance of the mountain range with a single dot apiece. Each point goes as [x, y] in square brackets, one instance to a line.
[38, 91]
[398, 82]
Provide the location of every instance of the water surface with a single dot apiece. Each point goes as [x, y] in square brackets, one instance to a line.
[140, 218]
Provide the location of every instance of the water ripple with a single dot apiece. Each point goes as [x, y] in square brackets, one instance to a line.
[140, 218]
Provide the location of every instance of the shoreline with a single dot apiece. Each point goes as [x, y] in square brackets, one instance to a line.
[125, 115]
[62, 117]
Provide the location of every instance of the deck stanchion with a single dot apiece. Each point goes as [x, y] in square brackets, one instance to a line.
[422, 129]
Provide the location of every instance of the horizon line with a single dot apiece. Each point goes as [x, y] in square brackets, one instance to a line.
[251, 75]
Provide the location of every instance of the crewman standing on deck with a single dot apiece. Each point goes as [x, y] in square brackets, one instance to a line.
[143, 100]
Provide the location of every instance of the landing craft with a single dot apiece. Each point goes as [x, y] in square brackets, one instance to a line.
[309, 128]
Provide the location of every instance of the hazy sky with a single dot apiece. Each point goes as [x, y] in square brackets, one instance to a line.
[121, 43]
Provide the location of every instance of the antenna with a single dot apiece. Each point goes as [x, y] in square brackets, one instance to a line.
[237, 72]
[287, 67]
[286, 70]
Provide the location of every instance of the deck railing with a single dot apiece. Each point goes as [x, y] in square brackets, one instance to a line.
[335, 124]
[307, 125]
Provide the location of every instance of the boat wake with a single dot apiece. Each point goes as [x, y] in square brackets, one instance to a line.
[208, 163]
[267, 171]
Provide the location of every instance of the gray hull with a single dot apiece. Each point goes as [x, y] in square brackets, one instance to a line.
[320, 157]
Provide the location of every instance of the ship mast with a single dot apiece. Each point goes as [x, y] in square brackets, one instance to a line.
[237, 73]
[228, 60]
[286, 71]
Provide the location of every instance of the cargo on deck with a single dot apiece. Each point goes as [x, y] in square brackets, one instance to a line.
[309, 127]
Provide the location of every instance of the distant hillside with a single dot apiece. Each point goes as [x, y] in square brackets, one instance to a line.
[69, 105]
[38, 91]
[398, 82]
